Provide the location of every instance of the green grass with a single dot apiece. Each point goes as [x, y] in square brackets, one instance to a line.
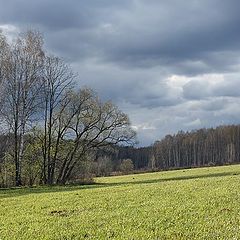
[185, 204]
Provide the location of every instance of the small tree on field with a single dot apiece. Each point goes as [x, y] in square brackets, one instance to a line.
[126, 166]
[103, 166]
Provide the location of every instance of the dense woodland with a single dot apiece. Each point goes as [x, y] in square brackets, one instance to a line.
[203, 147]
[199, 148]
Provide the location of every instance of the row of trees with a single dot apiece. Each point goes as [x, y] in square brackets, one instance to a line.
[198, 148]
[49, 126]
[203, 147]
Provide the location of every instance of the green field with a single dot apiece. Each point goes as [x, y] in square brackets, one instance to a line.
[185, 204]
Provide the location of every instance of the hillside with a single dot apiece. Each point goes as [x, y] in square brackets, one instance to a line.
[184, 204]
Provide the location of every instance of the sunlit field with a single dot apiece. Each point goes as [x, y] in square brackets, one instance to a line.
[184, 204]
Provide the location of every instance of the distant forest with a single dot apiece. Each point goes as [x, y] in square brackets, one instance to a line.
[203, 147]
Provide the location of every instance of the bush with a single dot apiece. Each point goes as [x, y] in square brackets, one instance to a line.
[126, 166]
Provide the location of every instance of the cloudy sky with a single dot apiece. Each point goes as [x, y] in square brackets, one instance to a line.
[170, 65]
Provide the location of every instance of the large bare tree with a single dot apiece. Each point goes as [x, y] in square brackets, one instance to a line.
[92, 124]
[80, 123]
[57, 80]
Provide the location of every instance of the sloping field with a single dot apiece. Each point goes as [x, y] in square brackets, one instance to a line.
[185, 204]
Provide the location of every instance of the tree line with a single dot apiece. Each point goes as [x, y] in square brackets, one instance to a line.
[49, 126]
[203, 147]
[198, 148]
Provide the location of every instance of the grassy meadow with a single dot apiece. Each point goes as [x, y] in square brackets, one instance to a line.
[184, 204]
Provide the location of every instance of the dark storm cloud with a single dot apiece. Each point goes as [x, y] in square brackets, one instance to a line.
[139, 87]
[170, 65]
[56, 14]
[137, 33]
[187, 33]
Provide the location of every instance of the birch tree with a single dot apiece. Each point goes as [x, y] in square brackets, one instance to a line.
[21, 76]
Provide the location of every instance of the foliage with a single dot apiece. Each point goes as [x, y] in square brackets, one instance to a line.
[7, 171]
[32, 163]
[126, 166]
[103, 166]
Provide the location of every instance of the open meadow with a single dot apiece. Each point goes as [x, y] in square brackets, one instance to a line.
[183, 204]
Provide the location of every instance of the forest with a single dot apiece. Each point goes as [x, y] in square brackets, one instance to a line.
[203, 147]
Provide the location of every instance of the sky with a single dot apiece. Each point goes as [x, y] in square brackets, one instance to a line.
[170, 65]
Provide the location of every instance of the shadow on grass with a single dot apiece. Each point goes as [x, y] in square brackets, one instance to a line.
[15, 192]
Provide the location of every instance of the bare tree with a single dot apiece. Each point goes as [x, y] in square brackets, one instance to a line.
[21, 74]
[57, 80]
[93, 124]
[4, 53]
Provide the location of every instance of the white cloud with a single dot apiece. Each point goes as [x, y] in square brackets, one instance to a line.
[10, 31]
